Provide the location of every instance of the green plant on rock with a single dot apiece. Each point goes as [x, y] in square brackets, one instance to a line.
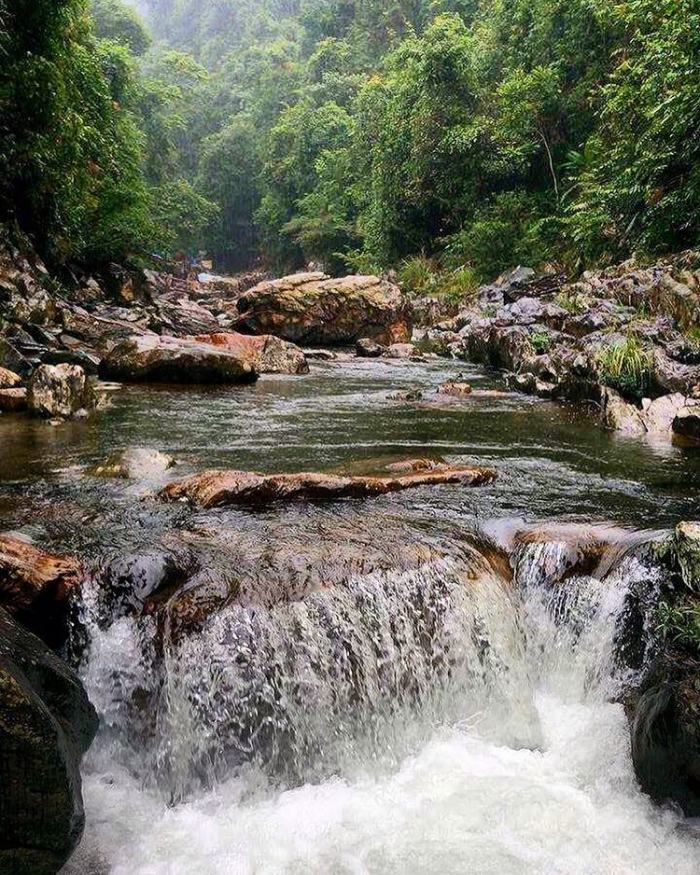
[572, 302]
[679, 624]
[541, 342]
[626, 367]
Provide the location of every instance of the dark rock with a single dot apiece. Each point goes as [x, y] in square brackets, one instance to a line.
[368, 348]
[13, 400]
[687, 422]
[12, 359]
[47, 724]
[87, 361]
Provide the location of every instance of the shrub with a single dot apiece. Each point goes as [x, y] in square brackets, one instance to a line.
[625, 366]
[541, 342]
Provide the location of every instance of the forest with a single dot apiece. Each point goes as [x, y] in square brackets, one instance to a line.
[458, 137]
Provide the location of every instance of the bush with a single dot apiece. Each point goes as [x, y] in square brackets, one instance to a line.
[541, 342]
[625, 366]
[422, 276]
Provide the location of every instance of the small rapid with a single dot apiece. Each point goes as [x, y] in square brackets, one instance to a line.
[444, 718]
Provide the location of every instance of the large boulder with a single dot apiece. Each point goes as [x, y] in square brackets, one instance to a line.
[47, 724]
[169, 359]
[60, 391]
[269, 354]
[311, 308]
[216, 488]
[36, 587]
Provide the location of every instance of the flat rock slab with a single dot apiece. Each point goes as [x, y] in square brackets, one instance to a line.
[144, 358]
[219, 488]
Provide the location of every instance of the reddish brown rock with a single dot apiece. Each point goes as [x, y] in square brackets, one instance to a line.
[311, 308]
[217, 488]
[267, 353]
[170, 359]
[36, 586]
[9, 379]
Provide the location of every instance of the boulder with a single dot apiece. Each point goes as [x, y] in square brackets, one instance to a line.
[618, 414]
[402, 351]
[169, 359]
[267, 353]
[368, 348]
[659, 414]
[9, 379]
[686, 422]
[36, 587]
[310, 308]
[13, 400]
[60, 391]
[47, 724]
[134, 463]
[216, 488]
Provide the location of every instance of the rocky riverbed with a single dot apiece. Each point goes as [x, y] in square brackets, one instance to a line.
[299, 583]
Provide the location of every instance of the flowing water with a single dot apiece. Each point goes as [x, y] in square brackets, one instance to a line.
[374, 691]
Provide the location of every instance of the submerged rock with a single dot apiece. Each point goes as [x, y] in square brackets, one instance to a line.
[311, 308]
[457, 388]
[36, 587]
[47, 724]
[169, 359]
[216, 488]
[687, 422]
[268, 354]
[133, 463]
[61, 391]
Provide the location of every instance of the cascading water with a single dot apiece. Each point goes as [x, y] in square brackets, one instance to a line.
[441, 719]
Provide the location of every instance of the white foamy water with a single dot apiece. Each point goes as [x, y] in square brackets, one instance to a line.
[522, 766]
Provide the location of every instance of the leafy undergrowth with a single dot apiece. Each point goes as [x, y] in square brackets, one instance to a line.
[421, 276]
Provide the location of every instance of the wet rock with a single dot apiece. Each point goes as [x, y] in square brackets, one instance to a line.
[310, 308]
[47, 724]
[267, 354]
[405, 395]
[9, 379]
[408, 465]
[60, 391]
[686, 422]
[368, 348]
[13, 400]
[402, 351]
[217, 488]
[134, 463]
[618, 414]
[157, 359]
[457, 388]
[36, 587]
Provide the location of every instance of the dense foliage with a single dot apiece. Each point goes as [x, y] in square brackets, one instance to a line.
[472, 134]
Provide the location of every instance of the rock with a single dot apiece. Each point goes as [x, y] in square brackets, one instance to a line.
[531, 311]
[313, 309]
[87, 361]
[686, 549]
[61, 391]
[658, 415]
[687, 422]
[13, 400]
[406, 395]
[267, 354]
[407, 465]
[169, 359]
[402, 351]
[216, 488]
[11, 358]
[47, 724]
[618, 414]
[36, 587]
[458, 388]
[9, 379]
[673, 376]
[368, 348]
[182, 317]
[134, 463]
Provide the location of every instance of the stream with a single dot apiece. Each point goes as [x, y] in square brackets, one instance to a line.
[352, 710]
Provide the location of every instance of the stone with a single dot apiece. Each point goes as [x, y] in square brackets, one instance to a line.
[11, 358]
[659, 414]
[267, 353]
[13, 400]
[402, 351]
[47, 724]
[217, 488]
[368, 348]
[9, 379]
[36, 587]
[618, 414]
[686, 422]
[87, 361]
[134, 463]
[169, 359]
[457, 388]
[406, 395]
[312, 309]
[61, 391]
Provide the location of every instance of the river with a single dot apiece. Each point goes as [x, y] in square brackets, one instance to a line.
[402, 719]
